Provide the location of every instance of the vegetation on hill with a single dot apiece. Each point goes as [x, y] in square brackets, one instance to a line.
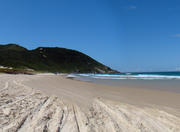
[50, 59]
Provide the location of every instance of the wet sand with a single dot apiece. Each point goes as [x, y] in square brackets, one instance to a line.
[53, 103]
[82, 93]
[169, 85]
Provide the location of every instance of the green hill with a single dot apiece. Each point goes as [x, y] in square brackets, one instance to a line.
[50, 59]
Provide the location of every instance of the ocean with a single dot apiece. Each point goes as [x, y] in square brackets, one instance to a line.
[168, 81]
[135, 75]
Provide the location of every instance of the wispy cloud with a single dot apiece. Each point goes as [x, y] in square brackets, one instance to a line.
[174, 8]
[177, 35]
[132, 7]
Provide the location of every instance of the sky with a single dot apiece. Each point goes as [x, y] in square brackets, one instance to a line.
[127, 35]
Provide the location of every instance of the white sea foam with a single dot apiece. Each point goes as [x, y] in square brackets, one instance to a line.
[71, 76]
[129, 76]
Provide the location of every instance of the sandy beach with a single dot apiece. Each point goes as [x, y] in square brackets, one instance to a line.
[51, 103]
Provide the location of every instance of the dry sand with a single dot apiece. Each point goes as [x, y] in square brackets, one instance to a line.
[51, 103]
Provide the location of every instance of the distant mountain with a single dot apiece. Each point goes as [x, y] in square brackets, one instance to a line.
[50, 59]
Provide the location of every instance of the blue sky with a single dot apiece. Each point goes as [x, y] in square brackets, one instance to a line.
[128, 35]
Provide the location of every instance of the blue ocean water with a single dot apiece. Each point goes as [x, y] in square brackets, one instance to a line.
[134, 75]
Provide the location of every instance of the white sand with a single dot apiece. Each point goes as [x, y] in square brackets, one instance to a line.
[67, 105]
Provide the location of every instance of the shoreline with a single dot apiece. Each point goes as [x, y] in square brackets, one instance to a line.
[160, 85]
[88, 91]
